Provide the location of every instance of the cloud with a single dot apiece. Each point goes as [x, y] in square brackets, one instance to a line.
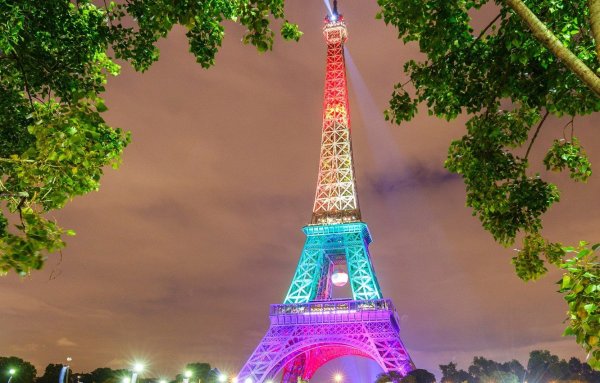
[65, 342]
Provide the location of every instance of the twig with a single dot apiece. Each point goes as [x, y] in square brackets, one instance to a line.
[572, 129]
[537, 131]
[24, 80]
[486, 28]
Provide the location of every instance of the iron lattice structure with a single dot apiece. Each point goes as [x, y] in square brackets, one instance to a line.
[336, 199]
[311, 328]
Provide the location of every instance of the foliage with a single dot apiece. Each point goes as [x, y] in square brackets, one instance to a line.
[542, 367]
[415, 376]
[581, 285]
[508, 83]
[201, 373]
[51, 374]
[101, 375]
[54, 64]
[391, 376]
[418, 375]
[24, 371]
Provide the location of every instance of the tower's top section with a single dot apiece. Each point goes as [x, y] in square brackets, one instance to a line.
[335, 28]
[336, 200]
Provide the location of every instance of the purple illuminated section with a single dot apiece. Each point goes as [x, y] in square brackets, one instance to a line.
[303, 337]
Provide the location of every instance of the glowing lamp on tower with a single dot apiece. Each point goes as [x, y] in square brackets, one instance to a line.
[339, 278]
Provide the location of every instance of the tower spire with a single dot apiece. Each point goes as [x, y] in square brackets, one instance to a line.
[336, 200]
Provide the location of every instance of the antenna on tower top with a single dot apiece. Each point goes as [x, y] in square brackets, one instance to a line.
[335, 12]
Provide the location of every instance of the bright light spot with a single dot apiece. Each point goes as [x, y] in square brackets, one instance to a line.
[69, 359]
[339, 278]
[138, 367]
[126, 379]
[222, 378]
[12, 371]
[333, 17]
[338, 377]
[269, 381]
[248, 380]
[162, 381]
[187, 374]
[234, 379]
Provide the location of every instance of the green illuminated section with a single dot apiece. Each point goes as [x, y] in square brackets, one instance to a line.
[325, 243]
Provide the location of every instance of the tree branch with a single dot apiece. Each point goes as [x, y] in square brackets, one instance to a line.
[537, 131]
[550, 41]
[594, 6]
[16, 57]
[490, 25]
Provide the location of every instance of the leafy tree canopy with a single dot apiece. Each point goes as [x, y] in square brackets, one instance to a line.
[415, 376]
[54, 63]
[529, 62]
[24, 371]
[542, 367]
[51, 374]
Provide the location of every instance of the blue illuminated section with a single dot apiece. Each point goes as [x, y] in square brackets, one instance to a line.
[348, 242]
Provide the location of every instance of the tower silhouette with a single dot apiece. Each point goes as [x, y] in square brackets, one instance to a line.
[311, 327]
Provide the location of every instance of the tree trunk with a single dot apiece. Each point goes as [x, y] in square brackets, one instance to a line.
[594, 6]
[550, 41]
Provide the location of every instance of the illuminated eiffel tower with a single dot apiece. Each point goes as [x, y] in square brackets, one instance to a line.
[311, 328]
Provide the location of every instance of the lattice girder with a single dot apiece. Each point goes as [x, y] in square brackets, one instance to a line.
[300, 332]
[350, 239]
[336, 199]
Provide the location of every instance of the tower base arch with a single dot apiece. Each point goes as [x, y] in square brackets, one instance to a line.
[303, 337]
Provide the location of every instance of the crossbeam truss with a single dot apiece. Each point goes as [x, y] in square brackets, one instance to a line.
[323, 244]
[307, 336]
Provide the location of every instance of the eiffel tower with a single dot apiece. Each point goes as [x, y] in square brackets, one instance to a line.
[311, 328]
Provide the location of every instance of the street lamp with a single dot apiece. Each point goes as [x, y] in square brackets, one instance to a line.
[137, 369]
[11, 372]
[187, 375]
[337, 378]
[64, 371]
[222, 378]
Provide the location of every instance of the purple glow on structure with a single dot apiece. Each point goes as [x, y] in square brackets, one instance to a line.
[299, 344]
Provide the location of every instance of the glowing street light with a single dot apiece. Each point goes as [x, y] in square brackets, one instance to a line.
[234, 379]
[137, 369]
[126, 379]
[162, 381]
[248, 380]
[222, 378]
[11, 372]
[64, 371]
[187, 375]
[337, 378]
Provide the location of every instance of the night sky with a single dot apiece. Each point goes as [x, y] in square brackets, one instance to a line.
[182, 250]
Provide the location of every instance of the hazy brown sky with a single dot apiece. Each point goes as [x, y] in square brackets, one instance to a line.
[180, 253]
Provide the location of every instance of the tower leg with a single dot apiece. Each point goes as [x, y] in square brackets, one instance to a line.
[305, 283]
